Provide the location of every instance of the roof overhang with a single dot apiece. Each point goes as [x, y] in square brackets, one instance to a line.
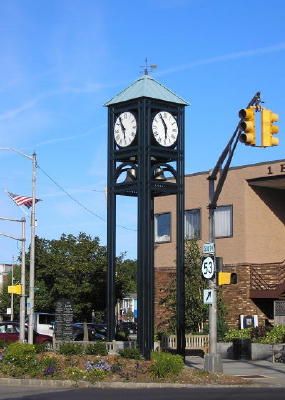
[271, 182]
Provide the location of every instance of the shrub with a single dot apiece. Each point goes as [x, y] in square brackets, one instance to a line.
[71, 349]
[275, 335]
[96, 375]
[41, 348]
[19, 354]
[75, 373]
[132, 353]
[3, 344]
[237, 334]
[20, 359]
[165, 364]
[258, 332]
[97, 349]
[49, 366]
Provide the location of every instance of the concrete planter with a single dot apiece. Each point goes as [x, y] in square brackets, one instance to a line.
[225, 349]
[259, 351]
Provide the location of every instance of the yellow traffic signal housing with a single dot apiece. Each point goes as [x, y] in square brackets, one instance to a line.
[268, 129]
[247, 125]
[15, 289]
[227, 278]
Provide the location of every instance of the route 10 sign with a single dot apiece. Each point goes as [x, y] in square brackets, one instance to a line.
[208, 267]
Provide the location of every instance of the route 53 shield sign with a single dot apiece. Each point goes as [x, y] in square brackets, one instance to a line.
[208, 267]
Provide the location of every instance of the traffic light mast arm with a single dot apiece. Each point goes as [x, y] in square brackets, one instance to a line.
[213, 358]
[227, 156]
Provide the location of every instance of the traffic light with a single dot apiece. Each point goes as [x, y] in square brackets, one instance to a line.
[227, 278]
[247, 125]
[15, 289]
[268, 129]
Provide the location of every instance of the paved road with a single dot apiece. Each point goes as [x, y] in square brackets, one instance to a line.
[159, 394]
[27, 392]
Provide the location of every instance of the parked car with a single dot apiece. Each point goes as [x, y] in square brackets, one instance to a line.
[100, 328]
[10, 332]
[93, 333]
[126, 331]
[130, 328]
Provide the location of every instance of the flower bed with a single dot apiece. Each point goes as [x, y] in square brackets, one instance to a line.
[23, 361]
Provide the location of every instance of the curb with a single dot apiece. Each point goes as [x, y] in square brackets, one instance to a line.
[69, 384]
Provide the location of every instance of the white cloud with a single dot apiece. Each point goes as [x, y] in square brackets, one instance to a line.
[226, 57]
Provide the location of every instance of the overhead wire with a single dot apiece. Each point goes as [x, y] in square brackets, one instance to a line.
[79, 203]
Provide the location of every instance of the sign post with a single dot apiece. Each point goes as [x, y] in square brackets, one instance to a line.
[212, 360]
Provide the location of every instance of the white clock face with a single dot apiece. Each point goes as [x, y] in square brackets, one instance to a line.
[125, 129]
[165, 128]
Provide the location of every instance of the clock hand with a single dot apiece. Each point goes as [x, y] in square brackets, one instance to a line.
[123, 128]
[165, 126]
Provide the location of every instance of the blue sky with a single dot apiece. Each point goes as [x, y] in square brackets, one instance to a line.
[62, 60]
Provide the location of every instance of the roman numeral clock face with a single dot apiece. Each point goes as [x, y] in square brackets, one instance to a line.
[165, 128]
[125, 129]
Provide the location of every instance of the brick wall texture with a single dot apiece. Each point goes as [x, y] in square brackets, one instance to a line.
[236, 296]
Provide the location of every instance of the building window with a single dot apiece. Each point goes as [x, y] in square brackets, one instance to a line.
[192, 224]
[162, 228]
[224, 221]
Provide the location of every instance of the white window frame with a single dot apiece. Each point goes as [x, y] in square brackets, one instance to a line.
[163, 238]
[223, 219]
[195, 231]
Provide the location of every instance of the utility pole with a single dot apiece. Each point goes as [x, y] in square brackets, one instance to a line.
[32, 253]
[12, 294]
[23, 284]
[33, 158]
[213, 362]
[23, 277]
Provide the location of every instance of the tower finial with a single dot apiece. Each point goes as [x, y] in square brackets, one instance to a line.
[147, 67]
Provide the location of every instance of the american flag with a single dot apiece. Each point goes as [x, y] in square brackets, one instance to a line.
[22, 200]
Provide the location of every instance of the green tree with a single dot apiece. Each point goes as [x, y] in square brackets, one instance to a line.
[196, 313]
[126, 276]
[5, 297]
[75, 268]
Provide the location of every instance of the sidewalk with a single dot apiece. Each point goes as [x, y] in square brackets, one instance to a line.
[259, 372]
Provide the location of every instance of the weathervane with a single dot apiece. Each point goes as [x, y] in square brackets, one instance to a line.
[148, 67]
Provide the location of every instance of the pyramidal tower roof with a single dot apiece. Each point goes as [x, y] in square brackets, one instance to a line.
[146, 86]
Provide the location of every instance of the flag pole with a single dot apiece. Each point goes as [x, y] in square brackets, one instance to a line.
[32, 253]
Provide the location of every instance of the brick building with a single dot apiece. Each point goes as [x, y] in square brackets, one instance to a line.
[249, 231]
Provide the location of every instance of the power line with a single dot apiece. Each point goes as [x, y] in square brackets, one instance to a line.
[79, 203]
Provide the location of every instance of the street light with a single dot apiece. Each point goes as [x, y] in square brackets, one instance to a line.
[33, 158]
[23, 273]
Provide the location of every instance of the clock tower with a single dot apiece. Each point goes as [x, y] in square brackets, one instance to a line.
[146, 160]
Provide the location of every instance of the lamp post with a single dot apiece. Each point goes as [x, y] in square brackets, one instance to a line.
[23, 273]
[33, 158]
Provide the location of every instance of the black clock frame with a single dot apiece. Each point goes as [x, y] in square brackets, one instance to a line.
[144, 156]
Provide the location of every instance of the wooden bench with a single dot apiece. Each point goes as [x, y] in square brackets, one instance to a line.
[192, 342]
